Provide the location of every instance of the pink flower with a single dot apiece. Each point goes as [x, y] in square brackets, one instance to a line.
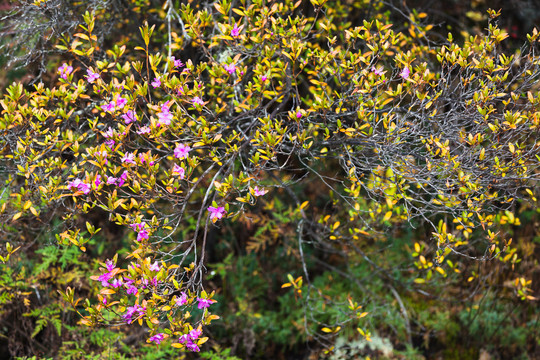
[192, 346]
[181, 151]
[377, 71]
[177, 62]
[92, 76]
[109, 265]
[143, 130]
[111, 180]
[110, 107]
[230, 68]
[204, 303]
[129, 117]
[142, 158]
[186, 339]
[264, 78]
[132, 290]
[104, 278]
[79, 185]
[235, 31]
[155, 266]
[138, 226]
[182, 300]
[121, 102]
[165, 115]
[128, 158]
[130, 311]
[198, 101]
[259, 192]
[122, 178]
[156, 83]
[216, 213]
[194, 334]
[179, 171]
[298, 114]
[116, 283]
[405, 73]
[142, 235]
[109, 133]
[97, 182]
[65, 70]
[158, 338]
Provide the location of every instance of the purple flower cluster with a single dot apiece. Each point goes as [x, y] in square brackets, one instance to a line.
[142, 232]
[187, 339]
[92, 76]
[129, 117]
[158, 338]
[181, 151]
[120, 181]
[165, 116]
[79, 185]
[216, 213]
[179, 171]
[65, 70]
[131, 311]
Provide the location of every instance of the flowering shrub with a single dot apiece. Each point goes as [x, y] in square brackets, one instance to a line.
[392, 126]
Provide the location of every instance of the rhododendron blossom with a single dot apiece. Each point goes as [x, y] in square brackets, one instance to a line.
[110, 107]
[129, 117]
[129, 158]
[181, 300]
[165, 116]
[115, 283]
[178, 171]
[79, 185]
[181, 151]
[259, 192]
[143, 130]
[197, 101]
[235, 31]
[158, 338]
[121, 102]
[216, 213]
[92, 76]
[176, 62]
[230, 68]
[204, 303]
[377, 71]
[405, 73]
[97, 181]
[155, 266]
[156, 83]
[65, 70]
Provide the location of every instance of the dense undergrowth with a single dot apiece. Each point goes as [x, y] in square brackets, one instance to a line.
[281, 180]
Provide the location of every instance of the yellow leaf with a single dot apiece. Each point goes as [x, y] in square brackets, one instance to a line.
[16, 216]
[33, 211]
[326, 330]
[304, 204]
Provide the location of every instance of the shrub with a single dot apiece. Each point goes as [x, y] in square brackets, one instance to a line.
[388, 126]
